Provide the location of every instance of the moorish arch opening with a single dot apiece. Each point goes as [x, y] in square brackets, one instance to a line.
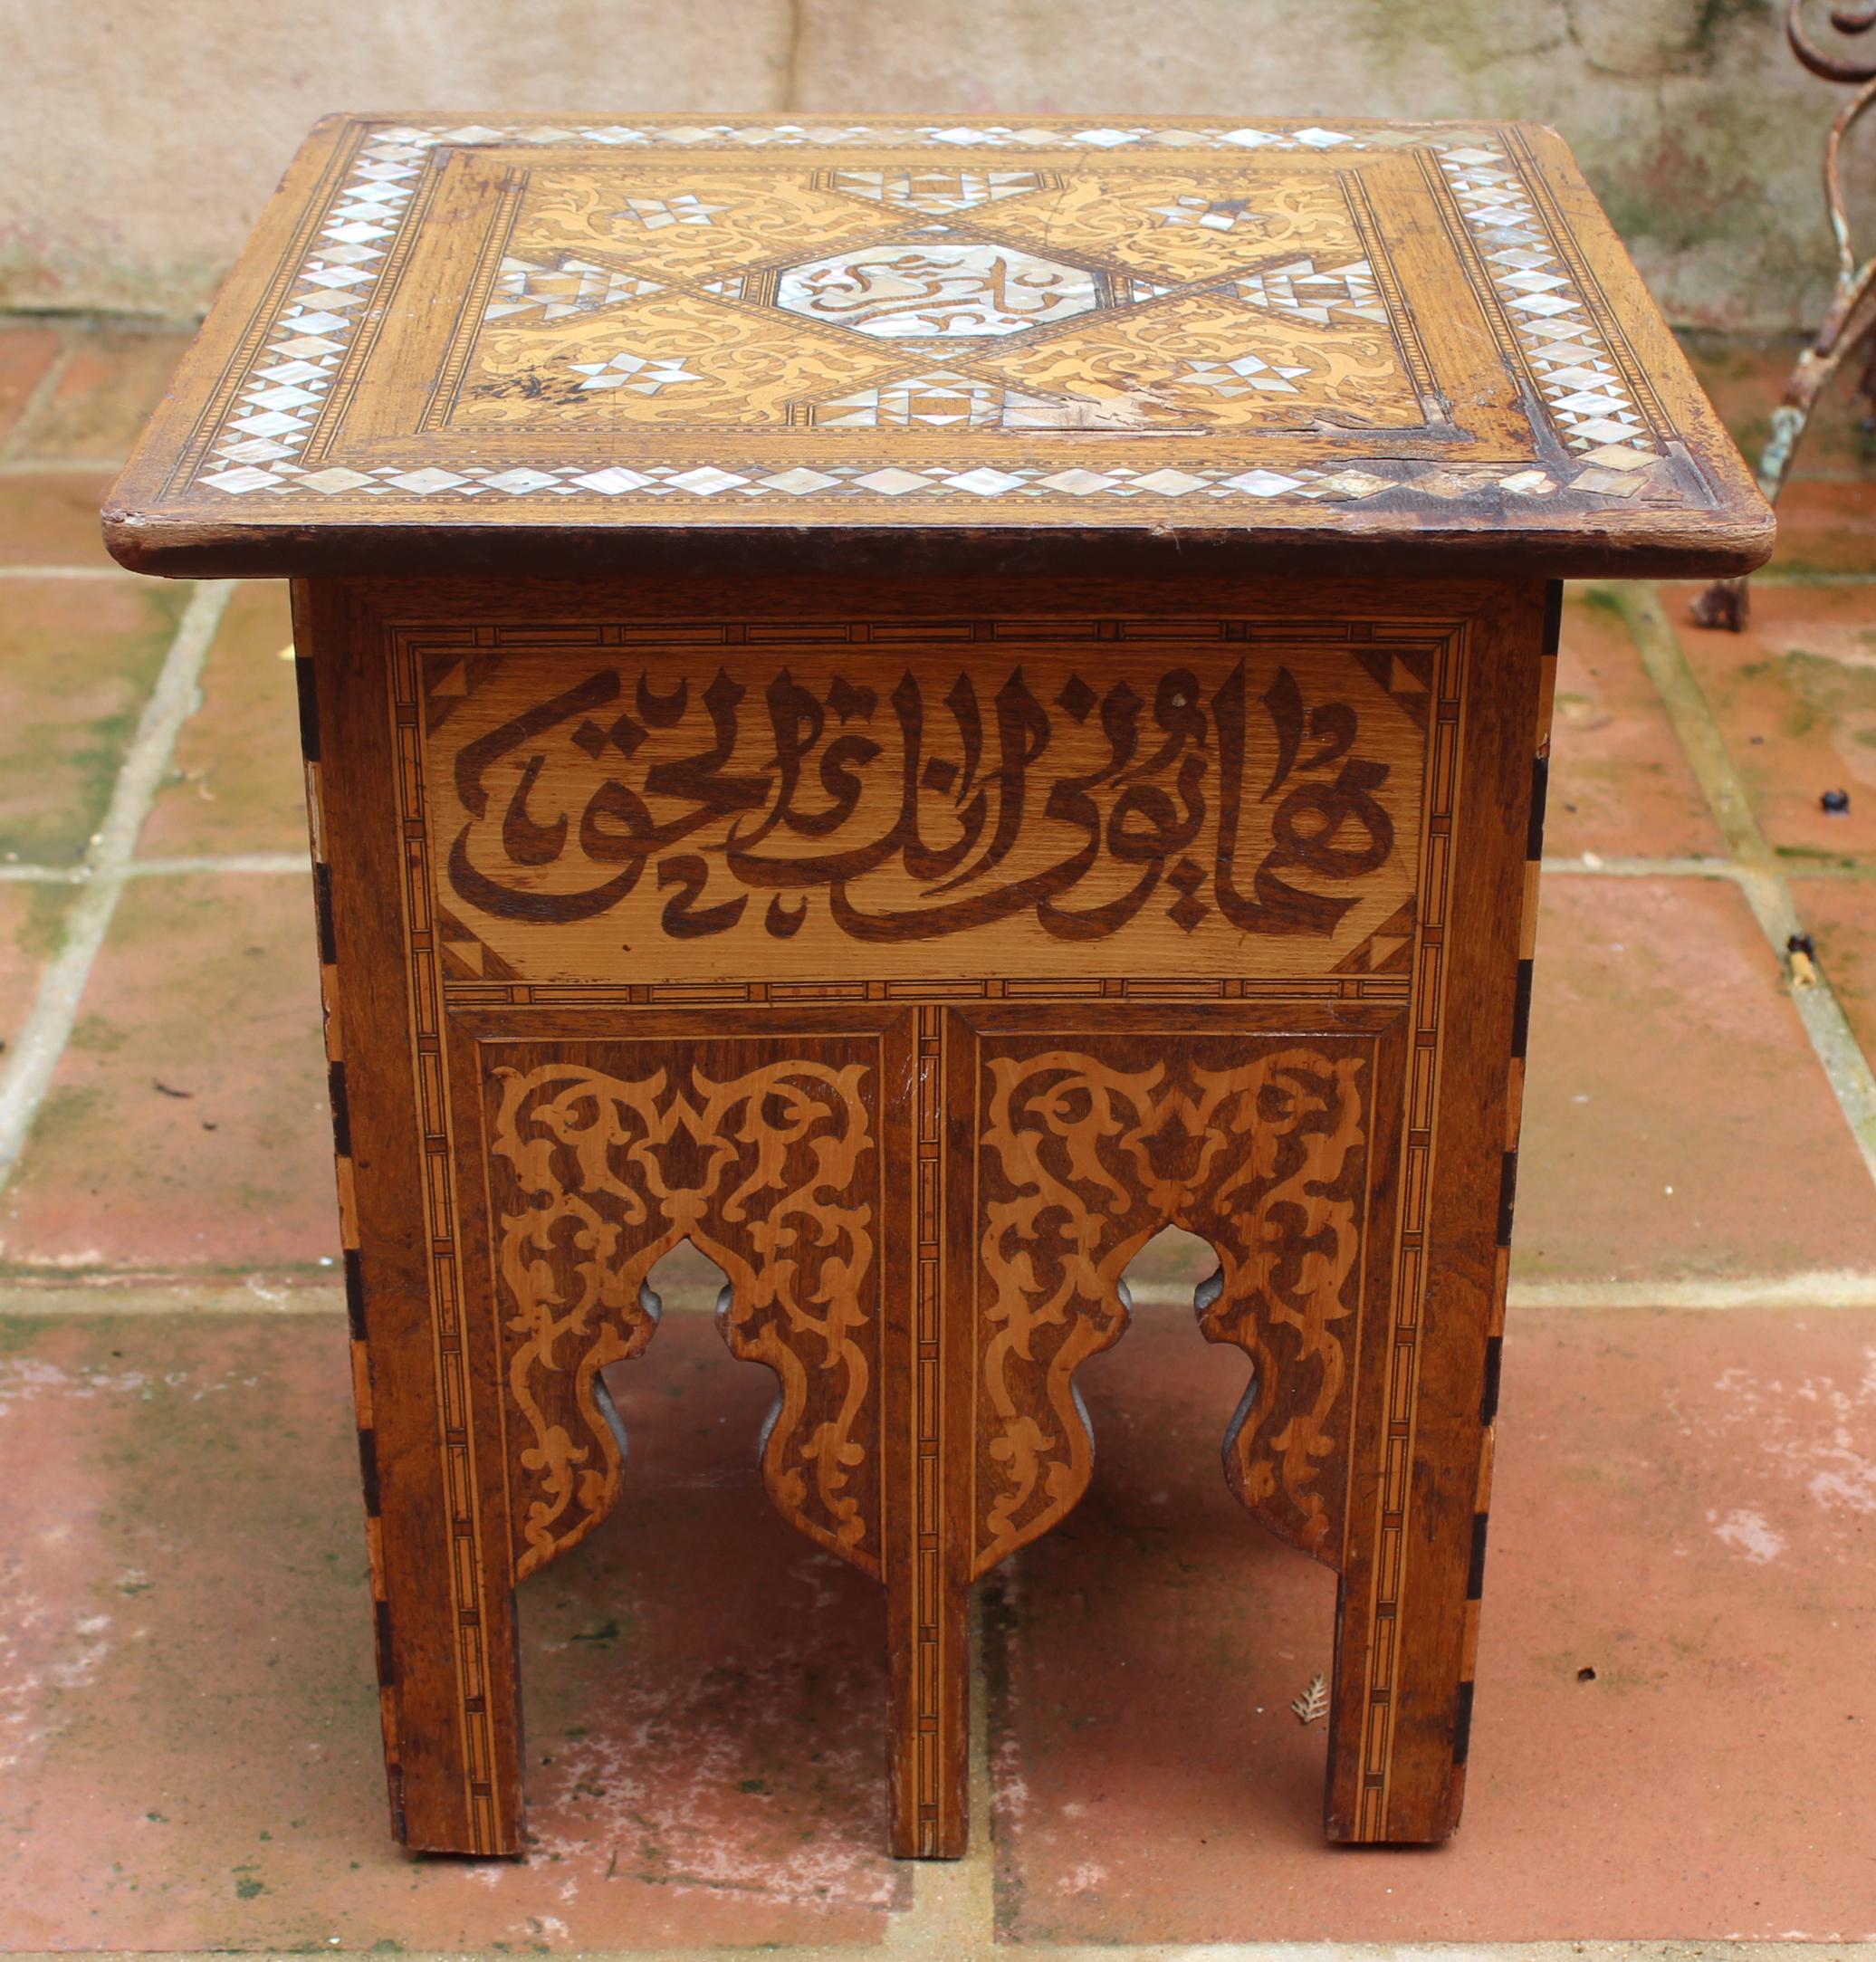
[700, 1355]
[1163, 1368]
[694, 1621]
[1161, 1578]
[687, 1280]
[1171, 1270]
[682, 1292]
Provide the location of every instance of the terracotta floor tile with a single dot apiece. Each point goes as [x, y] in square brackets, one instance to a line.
[1745, 376]
[238, 785]
[1840, 914]
[50, 518]
[31, 919]
[192, 1724]
[1677, 1120]
[187, 1129]
[1683, 1504]
[1619, 780]
[27, 350]
[1795, 695]
[78, 658]
[115, 376]
[1826, 526]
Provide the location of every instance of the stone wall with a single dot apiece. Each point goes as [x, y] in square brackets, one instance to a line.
[142, 135]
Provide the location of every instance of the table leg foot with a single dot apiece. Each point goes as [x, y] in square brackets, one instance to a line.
[1400, 1710]
[928, 1712]
[1725, 604]
[453, 1730]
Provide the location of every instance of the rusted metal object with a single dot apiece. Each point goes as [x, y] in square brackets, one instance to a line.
[1849, 328]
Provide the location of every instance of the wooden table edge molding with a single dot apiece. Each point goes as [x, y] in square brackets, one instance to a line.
[701, 528]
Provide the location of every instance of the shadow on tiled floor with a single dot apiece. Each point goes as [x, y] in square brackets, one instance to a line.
[187, 1725]
[188, 1719]
[1684, 1503]
[1684, 1506]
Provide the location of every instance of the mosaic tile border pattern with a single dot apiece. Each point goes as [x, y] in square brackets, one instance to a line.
[1591, 406]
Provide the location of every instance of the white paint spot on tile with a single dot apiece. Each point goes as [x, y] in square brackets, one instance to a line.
[1750, 1533]
[1813, 1433]
[1007, 1790]
[38, 1659]
[1084, 1878]
[661, 1789]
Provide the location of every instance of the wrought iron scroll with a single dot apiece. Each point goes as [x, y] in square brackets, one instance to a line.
[1849, 326]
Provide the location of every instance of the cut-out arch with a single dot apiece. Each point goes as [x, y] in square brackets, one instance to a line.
[690, 1277]
[1089, 1158]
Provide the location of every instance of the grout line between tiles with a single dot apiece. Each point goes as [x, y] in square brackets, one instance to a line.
[244, 864]
[258, 1295]
[1759, 877]
[1594, 864]
[43, 391]
[35, 1052]
[50, 1294]
[269, 865]
[1590, 864]
[1670, 1949]
[52, 466]
[1819, 1288]
[954, 1907]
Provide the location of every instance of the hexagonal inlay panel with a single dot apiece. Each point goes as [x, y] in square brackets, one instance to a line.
[916, 287]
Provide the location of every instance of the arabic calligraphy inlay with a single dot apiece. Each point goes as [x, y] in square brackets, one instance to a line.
[596, 816]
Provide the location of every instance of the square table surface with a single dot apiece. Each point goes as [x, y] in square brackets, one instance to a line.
[517, 344]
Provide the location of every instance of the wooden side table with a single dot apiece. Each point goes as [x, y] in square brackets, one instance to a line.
[909, 703]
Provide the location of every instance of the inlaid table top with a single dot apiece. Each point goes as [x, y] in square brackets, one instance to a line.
[517, 343]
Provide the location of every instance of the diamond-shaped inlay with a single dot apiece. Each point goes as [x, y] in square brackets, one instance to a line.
[1188, 911]
[642, 376]
[938, 193]
[551, 290]
[936, 286]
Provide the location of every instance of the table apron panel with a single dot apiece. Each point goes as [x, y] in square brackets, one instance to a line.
[617, 803]
[918, 973]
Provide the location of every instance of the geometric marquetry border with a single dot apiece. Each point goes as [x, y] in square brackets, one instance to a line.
[469, 1577]
[1393, 1487]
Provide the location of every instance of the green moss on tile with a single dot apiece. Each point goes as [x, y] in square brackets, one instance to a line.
[41, 930]
[65, 1109]
[77, 685]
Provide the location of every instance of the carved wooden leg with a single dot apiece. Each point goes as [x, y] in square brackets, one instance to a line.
[445, 1610]
[1414, 1552]
[435, 1497]
[928, 1717]
[1400, 1695]
[927, 1368]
